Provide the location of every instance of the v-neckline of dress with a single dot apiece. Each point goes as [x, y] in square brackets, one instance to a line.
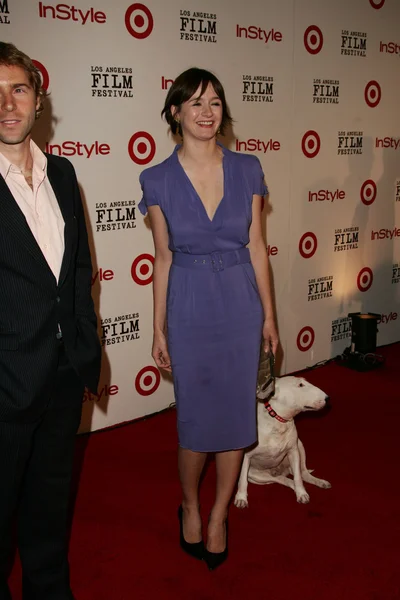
[211, 221]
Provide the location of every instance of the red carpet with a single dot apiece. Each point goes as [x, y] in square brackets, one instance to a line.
[344, 545]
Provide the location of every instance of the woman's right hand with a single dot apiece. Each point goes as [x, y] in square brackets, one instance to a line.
[160, 352]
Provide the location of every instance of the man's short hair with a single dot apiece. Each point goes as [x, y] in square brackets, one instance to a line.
[11, 56]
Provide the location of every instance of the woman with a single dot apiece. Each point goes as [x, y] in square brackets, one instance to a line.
[212, 297]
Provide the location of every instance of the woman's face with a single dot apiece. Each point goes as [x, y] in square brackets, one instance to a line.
[200, 116]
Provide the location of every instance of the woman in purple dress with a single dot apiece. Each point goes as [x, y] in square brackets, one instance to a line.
[212, 297]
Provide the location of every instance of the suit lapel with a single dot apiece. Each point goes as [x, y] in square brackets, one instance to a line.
[13, 218]
[60, 188]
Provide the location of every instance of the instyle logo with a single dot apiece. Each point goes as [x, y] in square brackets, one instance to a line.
[71, 148]
[350, 142]
[320, 288]
[387, 142]
[43, 73]
[396, 273]
[326, 91]
[142, 269]
[354, 43]
[102, 275]
[326, 195]
[120, 329]
[113, 216]
[272, 250]
[346, 239]
[372, 94]
[377, 3]
[147, 380]
[64, 12]
[313, 39]
[111, 82]
[308, 244]
[341, 329]
[166, 83]
[257, 88]
[256, 145]
[257, 33]
[305, 339]
[139, 21]
[365, 279]
[389, 48]
[386, 319]
[104, 392]
[4, 13]
[141, 148]
[368, 192]
[311, 144]
[198, 26]
[385, 234]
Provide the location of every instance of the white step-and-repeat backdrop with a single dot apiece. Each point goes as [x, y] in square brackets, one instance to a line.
[313, 86]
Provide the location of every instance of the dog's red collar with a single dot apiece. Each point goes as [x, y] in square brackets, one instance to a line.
[274, 414]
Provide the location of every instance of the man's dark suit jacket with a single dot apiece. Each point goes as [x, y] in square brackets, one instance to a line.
[33, 303]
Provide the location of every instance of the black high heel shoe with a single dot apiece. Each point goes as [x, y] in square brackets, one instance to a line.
[215, 559]
[197, 549]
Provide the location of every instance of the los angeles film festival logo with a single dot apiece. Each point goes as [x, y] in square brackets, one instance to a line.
[257, 88]
[396, 273]
[326, 91]
[120, 329]
[346, 239]
[341, 329]
[320, 288]
[4, 13]
[120, 214]
[111, 82]
[354, 43]
[397, 194]
[350, 142]
[198, 26]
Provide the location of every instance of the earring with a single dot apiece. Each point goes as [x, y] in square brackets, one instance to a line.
[218, 130]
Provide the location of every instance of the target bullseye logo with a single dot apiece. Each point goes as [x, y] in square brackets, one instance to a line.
[139, 21]
[377, 3]
[142, 269]
[305, 339]
[44, 73]
[372, 94]
[308, 244]
[313, 39]
[311, 144]
[141, 148]
[147, 380]
[365, 279]
[368, 192]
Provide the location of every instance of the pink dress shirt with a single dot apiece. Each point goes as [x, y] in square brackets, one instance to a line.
[39, 206]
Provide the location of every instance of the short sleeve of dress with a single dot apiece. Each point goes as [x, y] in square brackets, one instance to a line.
[257, 182]
[149, 197]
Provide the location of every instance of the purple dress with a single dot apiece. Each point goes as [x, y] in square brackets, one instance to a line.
[214, 312]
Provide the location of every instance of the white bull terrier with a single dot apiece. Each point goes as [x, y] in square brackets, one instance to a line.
[279, 451]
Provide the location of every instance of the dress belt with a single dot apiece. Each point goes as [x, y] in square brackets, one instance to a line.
[216, 261]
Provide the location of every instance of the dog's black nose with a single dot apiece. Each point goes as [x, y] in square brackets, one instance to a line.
[327, 399]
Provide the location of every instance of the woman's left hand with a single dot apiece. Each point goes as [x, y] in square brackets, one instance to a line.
[270, 335]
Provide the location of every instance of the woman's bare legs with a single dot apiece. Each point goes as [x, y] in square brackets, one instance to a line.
[228, 466]
[190, 466]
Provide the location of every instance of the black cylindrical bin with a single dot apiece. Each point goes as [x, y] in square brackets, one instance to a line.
[363, 332]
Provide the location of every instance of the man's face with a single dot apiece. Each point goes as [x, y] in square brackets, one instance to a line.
[18, 104]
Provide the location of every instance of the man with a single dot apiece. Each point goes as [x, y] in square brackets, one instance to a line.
[49, 348]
